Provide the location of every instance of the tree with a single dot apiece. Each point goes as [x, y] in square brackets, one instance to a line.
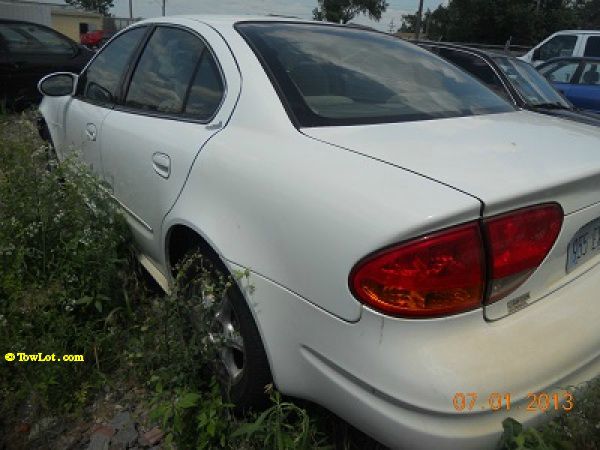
[343, 11]
[408, 23]
[589, 14]
[524, 22]
[101, 6]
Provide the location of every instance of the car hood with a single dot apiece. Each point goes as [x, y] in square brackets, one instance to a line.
[506, 160]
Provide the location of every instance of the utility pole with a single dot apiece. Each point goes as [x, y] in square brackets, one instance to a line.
[164, 7]
[418, 21]
[131, 9]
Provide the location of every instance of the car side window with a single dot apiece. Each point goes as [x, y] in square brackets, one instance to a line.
[590, 74]
[592, 46]
[560, 71]
[562, 45]
[477, 67]
[32, 38]
[206, 91]
[165, 70]
[101, 81]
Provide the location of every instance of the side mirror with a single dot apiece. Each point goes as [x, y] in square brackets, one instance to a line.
[58, 84]
[536, 54]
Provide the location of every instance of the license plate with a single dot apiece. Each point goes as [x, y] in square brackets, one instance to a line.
[584, 245]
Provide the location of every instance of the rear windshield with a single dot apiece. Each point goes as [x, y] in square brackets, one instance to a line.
[334, 75]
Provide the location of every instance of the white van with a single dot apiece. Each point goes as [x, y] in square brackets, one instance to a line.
[565, 43]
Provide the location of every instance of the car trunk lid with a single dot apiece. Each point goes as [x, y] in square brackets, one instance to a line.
[508, 161]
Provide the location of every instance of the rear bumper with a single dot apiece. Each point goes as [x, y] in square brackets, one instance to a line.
[395, 379]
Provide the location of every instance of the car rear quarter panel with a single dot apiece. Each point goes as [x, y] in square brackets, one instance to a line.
[407, 401]
[298, 211]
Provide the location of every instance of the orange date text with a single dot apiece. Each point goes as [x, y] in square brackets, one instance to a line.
[501, 401]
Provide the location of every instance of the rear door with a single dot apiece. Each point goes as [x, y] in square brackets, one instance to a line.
[561, 74]
[585, 91]
[181, 92]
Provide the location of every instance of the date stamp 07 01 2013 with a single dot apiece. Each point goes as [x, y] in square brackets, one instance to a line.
[498, 401]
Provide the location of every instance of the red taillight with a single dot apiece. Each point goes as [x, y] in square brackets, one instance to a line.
[437, 275]
[518, 243]
[445, 272]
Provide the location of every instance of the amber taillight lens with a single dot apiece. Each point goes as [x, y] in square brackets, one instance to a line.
[436, 275]
[518, 243]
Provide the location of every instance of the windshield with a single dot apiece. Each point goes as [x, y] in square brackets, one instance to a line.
[532, 86]
[334, 75]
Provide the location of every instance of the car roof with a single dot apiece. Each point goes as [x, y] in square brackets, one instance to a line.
[225, 19]
[21, 21]
[25, 22]
[483, 53]
[578, 32]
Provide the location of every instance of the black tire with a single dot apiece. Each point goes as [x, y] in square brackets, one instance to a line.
[247, 392]
[51, 156]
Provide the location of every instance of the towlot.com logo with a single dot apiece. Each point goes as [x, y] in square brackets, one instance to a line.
[39, 357]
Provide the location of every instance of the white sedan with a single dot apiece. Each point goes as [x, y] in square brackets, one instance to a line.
[425, 258]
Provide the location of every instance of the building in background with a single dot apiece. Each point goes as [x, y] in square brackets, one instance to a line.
[71, 22]
[74, 22]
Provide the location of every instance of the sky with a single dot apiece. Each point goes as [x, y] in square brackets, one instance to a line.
[299, 8]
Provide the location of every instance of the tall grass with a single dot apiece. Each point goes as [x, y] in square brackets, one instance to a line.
[70, 284]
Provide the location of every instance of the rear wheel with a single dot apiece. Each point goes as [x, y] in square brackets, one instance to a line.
[241, 364]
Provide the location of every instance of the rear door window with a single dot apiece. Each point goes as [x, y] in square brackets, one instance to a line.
[31, 38]
[592, 46]
[207, 89]
[560, 71]
[562, 45]
[590, 74]
[164, 72]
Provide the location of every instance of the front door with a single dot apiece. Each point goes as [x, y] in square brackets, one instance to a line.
[97, 91]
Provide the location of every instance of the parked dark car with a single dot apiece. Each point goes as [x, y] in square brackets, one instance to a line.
[577, 78]
[513, 79]
[29, 51]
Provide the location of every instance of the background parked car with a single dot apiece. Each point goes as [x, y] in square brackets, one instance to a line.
[515, 80]
[96, 39]
[29, 51]
[577, 78]
[564, 44]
